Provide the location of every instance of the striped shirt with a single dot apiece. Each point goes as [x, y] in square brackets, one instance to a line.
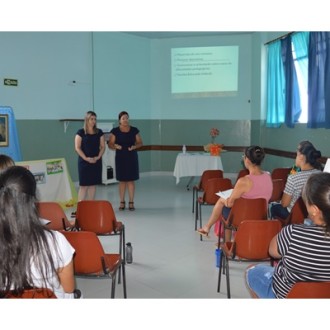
[295, 185]
[305, 252]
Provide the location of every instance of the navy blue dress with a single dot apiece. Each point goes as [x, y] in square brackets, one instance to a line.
[127, 163]
[90, 174]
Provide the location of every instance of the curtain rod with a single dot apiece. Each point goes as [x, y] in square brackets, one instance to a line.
[278, 38]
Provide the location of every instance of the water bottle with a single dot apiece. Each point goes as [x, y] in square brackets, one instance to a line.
[129, 253]
[184, 149]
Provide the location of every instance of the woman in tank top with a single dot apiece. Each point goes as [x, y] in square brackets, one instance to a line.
[257, 184]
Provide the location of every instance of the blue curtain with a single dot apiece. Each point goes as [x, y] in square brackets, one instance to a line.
[300, 41]
[275, 86]
[319, 80]
[292, 96]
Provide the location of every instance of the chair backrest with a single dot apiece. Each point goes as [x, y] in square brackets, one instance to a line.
[310, 290]
[281, 173]
[278, 188]
[247, 209]
[97, 216]
[209, 174]
[88, 252]
[43, 293]
[212, 187]
[253, 238]
[242, 173]
[298, 212]
[53, 212]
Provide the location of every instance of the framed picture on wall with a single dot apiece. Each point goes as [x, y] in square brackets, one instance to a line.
[4, 137]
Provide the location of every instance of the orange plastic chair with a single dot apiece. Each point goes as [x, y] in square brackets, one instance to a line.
[243, 209]
[242, 173]
[278, 188]
[99, 217]
[200, 187]
[312, 290]
[53, 212]
[280, 173]
[43, 293]
[297, 215]
[209, 196]
[251, 243]
[90, 260]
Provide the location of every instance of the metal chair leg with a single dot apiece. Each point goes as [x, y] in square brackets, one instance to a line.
[124, 281]
[227, 278]
[193, 202]
[196, 214]
[113, 285]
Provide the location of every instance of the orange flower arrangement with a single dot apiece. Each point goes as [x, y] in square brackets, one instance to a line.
[213, 148]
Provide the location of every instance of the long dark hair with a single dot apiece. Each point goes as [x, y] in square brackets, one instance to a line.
[317, 192]
[312, 155]
[22, 236]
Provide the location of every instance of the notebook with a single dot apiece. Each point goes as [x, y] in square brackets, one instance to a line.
[224, 194]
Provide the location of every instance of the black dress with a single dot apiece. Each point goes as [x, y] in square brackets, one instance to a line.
[90, 174]
[127, 163]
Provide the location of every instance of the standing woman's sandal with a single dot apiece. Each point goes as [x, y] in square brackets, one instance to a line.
[131, 206]
[122, 206]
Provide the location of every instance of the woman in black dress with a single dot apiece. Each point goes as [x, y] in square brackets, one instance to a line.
[125, 139]
[90, 146]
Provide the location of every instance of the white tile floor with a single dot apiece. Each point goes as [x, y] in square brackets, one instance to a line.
[169, 260]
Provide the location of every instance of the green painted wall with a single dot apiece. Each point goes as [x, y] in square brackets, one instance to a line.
[43, 139]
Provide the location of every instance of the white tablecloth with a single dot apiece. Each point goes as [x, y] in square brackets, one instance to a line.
[190, 164]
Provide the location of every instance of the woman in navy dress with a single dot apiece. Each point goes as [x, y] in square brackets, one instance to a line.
[125, 139]
[90, 146]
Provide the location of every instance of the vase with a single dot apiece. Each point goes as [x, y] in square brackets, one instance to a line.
[215, 150]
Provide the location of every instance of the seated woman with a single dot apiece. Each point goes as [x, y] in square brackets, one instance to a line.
[307, 160]
[31, 256]
[5, 162]
[257, 184]
[304, 250]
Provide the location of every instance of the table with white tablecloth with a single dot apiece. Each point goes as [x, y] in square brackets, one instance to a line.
[194, 164]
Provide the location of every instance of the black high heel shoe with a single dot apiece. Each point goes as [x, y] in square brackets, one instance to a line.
[122, 206]
[131, 206]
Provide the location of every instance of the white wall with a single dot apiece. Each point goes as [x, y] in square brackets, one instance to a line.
[164, 106]
[121, 75]
[45, 63]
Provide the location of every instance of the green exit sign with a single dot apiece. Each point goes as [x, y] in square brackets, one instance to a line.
[10, 82]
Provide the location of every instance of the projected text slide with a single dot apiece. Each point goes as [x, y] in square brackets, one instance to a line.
[205, 69]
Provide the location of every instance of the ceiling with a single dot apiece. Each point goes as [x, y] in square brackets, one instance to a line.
[180, 34]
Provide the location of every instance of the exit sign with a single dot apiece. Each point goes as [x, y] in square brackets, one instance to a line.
[10, 82]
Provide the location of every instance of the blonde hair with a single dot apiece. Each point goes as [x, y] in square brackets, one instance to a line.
[88, 115]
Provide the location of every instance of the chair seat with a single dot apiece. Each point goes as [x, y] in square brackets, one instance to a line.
[112, 262]
[91, 261]
[33, 293]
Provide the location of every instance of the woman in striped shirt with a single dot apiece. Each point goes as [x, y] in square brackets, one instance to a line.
[304, 250]
[307, 160]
